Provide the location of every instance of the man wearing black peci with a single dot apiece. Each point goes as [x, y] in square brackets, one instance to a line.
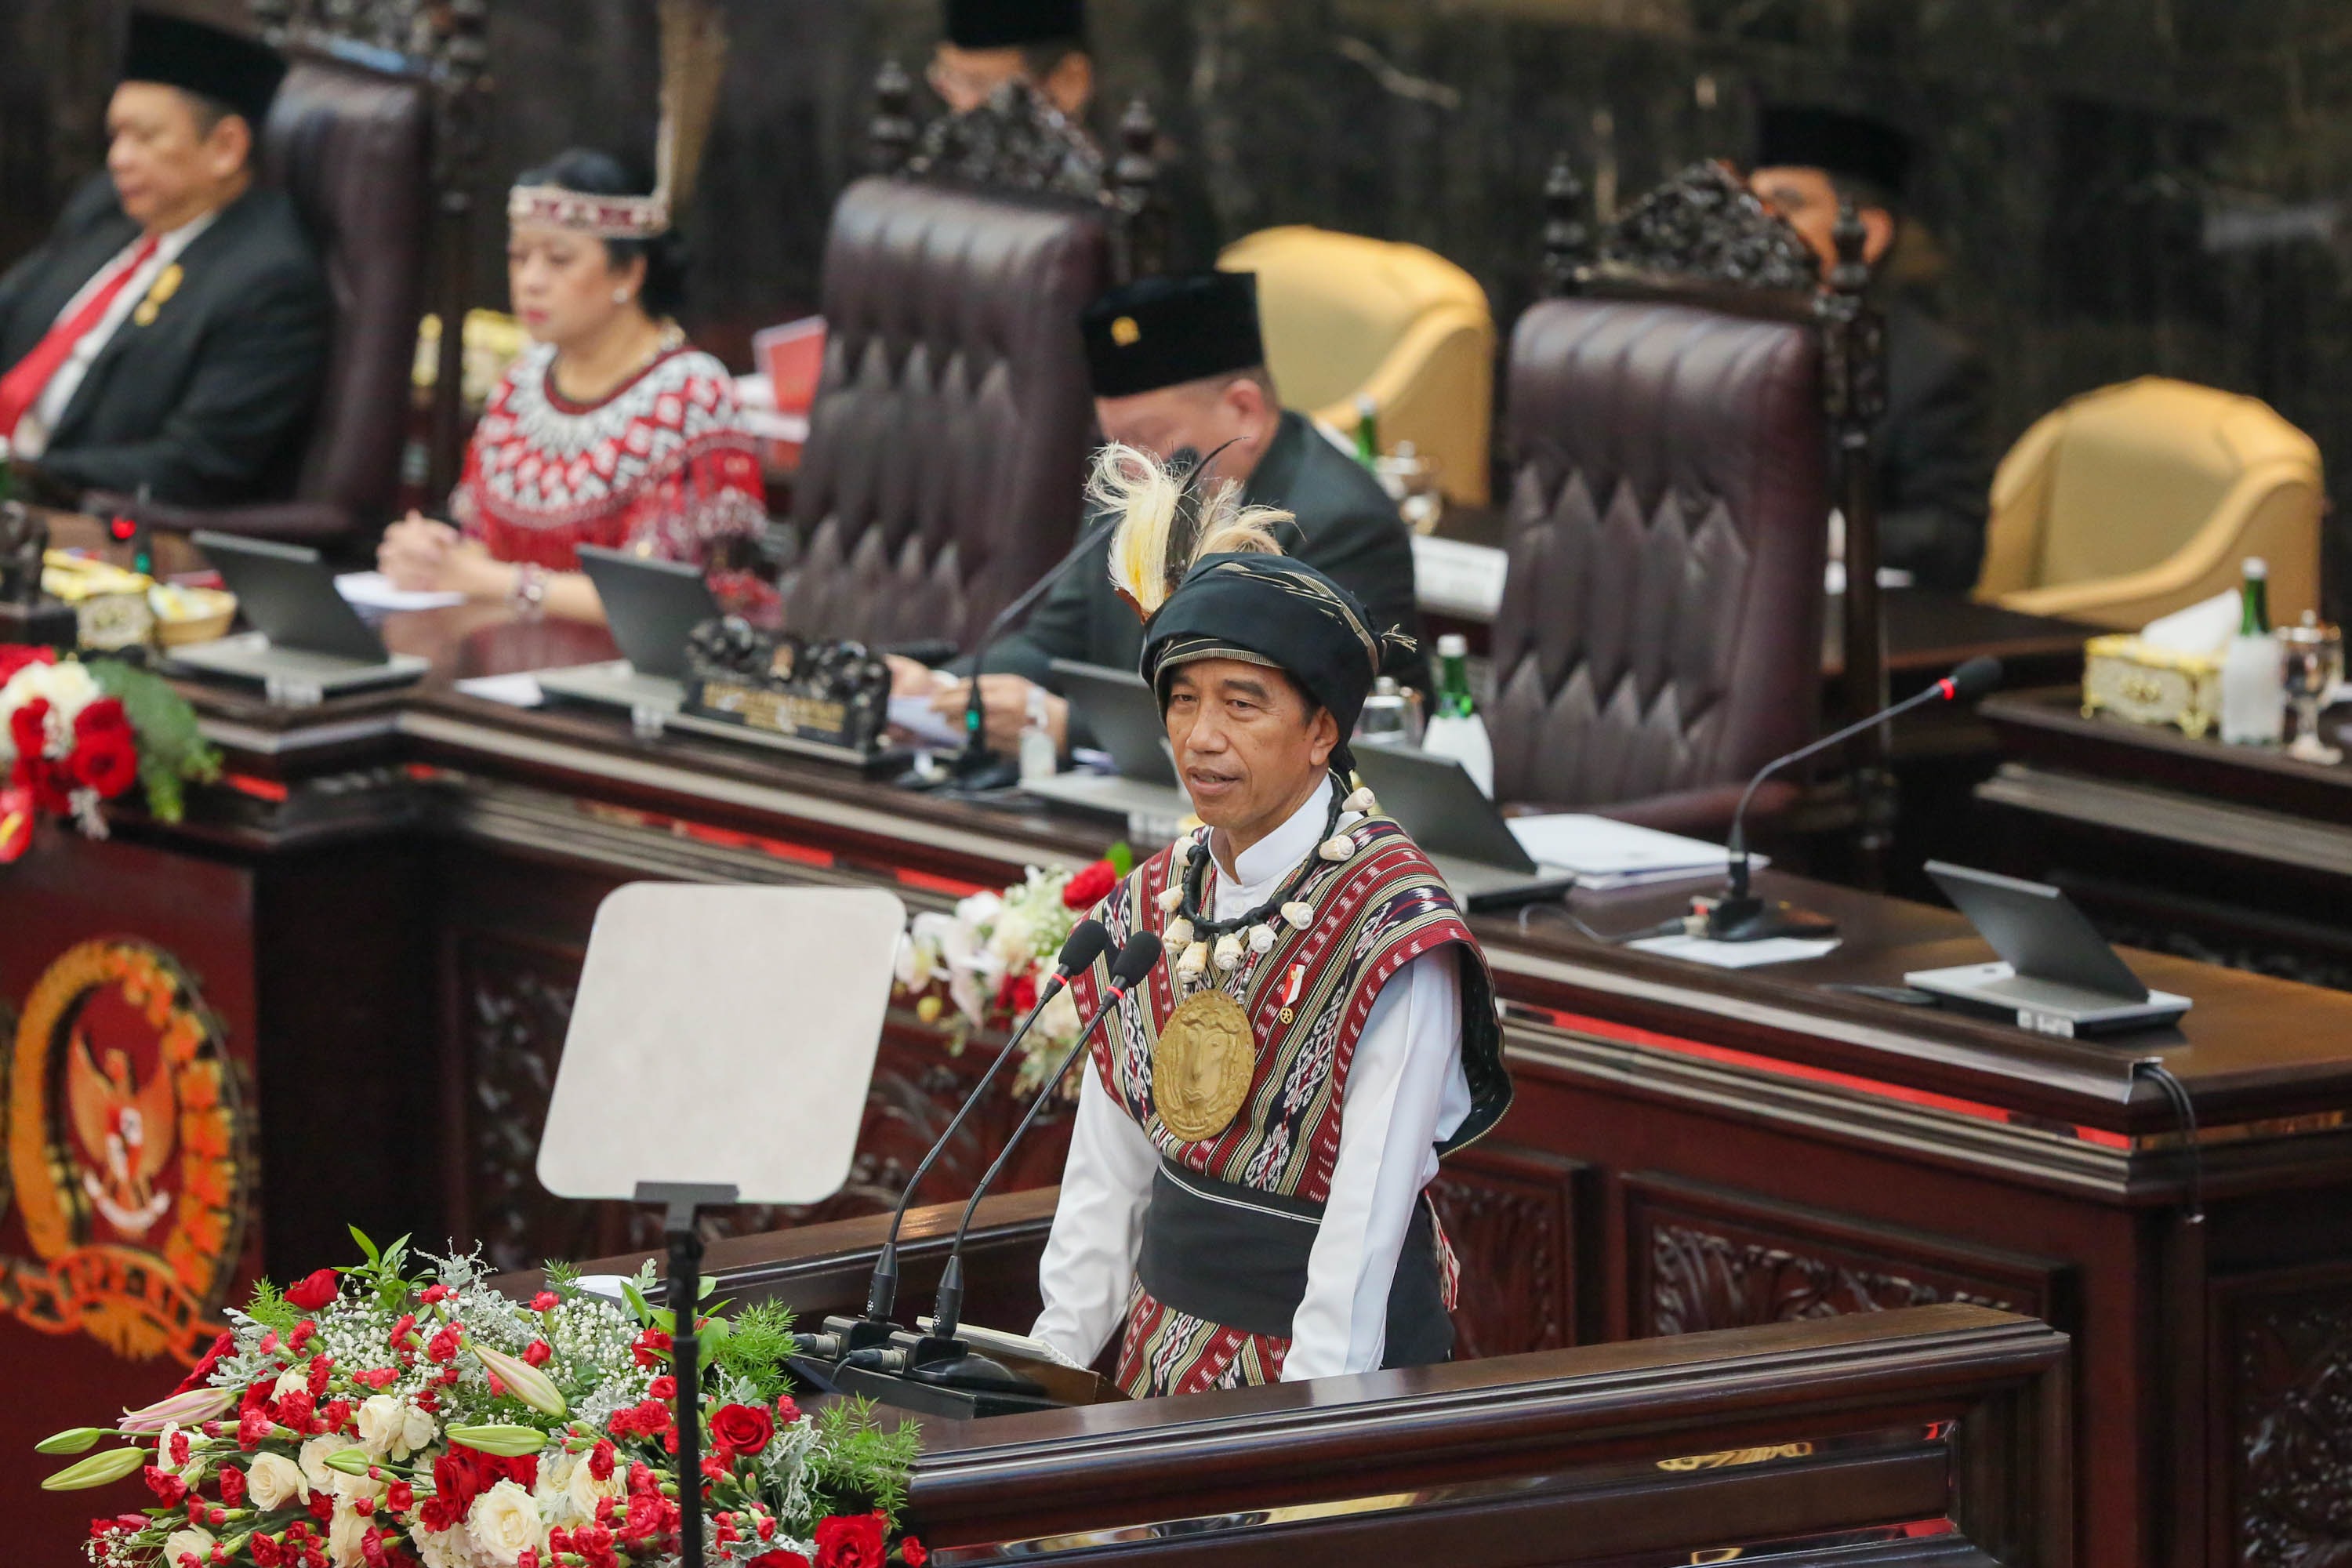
[1935, 468]
[1178, 365]
[170, 336]
[987, 43]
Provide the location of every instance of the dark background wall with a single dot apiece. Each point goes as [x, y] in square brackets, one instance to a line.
[2113, 188]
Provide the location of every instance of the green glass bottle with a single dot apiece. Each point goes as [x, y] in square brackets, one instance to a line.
[1453, 699]
[1368, 432]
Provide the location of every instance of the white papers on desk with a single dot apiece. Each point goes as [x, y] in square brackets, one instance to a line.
[373, 590]
[1736, 954]
[1605, 854]
[914, 713]
[519, 691]
[1455, 577]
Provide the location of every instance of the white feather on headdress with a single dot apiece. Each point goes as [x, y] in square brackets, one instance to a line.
[1168, 519]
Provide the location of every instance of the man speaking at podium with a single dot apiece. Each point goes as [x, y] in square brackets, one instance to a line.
[1245, 1193]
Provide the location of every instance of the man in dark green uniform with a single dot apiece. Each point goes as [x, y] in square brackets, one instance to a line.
[1179, 364]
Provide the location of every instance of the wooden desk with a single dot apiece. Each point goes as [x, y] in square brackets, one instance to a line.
[1936, 1434]
[2238, 855]
[411, 879]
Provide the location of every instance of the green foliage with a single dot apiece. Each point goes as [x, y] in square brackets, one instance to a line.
[1121, 856]
[860, 1465]
[270, 1308]
[386, 1270]
[753, 1345]
[171, 750]
[562, 1278]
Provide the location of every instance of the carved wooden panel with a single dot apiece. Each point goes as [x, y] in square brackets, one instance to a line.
[2284, 1366]
[1702, 1257]
[1510, 1213]
[511, 1001]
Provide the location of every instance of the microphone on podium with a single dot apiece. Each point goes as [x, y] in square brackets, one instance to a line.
[1088, 941]
[1739, 915]
[1126, 971]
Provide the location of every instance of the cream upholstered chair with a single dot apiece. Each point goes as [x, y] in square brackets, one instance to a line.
[2136, 500]
[1344, 316]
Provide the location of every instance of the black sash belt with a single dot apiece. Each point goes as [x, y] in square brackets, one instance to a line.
[1237, 1256]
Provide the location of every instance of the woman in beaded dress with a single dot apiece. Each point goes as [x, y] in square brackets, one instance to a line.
[609, 430]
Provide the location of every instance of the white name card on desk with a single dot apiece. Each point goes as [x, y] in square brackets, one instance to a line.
[373, 590]
[1455, 577]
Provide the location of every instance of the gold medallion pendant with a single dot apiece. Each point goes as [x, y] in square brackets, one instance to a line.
[1201, 1065]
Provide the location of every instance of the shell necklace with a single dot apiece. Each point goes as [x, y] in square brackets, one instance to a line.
[1189, 935]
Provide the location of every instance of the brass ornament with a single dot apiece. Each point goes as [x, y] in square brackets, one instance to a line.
[1201, 1065]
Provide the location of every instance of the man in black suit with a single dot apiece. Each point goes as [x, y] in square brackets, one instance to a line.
[170, 335]
[988, 43]
[1179, 364]
[1935, 466]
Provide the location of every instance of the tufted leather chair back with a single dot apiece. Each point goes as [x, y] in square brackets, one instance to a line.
[946, 454]
[350, 147]
[1661, 626]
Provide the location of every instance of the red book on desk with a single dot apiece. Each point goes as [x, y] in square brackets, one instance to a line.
[792, 357]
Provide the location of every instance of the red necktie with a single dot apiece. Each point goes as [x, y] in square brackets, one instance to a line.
[23, 385]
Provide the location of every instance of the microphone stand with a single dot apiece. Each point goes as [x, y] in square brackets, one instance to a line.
[976, 768]
[843, 1336]
[1739, 915]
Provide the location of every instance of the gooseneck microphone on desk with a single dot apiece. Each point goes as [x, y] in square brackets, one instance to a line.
[1088, 941]
[938, 1372]
[1739, 915]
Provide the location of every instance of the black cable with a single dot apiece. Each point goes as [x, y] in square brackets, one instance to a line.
[1679, 926]
[2186, 1110]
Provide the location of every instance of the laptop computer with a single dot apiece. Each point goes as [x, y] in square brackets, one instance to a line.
[306, 637]
[2056, 976]
[1118, 708]
[652, 607]
[1457, 827]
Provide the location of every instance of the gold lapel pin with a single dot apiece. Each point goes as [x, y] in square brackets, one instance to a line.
[166, 284]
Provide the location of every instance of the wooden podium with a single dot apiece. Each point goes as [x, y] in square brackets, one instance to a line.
[1930, 1435]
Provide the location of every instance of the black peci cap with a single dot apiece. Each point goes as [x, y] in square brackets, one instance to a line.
[1853, 146]
[233, 69]
[1011, 24]
[1164, 331]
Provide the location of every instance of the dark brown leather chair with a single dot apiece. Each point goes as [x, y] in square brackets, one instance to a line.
[1660, 634]
[350, 145]
[947, 446]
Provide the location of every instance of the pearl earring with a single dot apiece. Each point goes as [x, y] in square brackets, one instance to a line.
[620, 296]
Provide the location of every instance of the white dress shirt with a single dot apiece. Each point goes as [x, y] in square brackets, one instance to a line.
[1405, 1090]
[31, 437]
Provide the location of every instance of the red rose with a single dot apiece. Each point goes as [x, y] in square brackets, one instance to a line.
[106, 761]
[1021, 996]
[1088, 888]
[775, 1559]
[15, 656]
[29, 728]
[913, 1553]
[315, 1292]
[850, 1541]
[458, 1478]
[203, 1369]
[745, 1428]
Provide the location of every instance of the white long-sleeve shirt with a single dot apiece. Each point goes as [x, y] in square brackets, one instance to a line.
[1406, 1091]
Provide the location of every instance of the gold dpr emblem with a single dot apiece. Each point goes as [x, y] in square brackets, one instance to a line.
[1201, 1065]
[1125, 332]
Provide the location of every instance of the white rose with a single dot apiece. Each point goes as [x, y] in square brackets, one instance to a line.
[1059, 1021]
[583, 1491]
[293, 1380]
[344, 1534]
[319, 1476]
[440, 1548]
[505, 1523]
[192, 1542]
[274, 1481]
[391, 1428]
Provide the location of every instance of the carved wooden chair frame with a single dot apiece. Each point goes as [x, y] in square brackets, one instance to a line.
[1017, 142]
[1703, 240]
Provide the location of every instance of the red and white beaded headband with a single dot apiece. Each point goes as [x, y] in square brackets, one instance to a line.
[605, 217]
